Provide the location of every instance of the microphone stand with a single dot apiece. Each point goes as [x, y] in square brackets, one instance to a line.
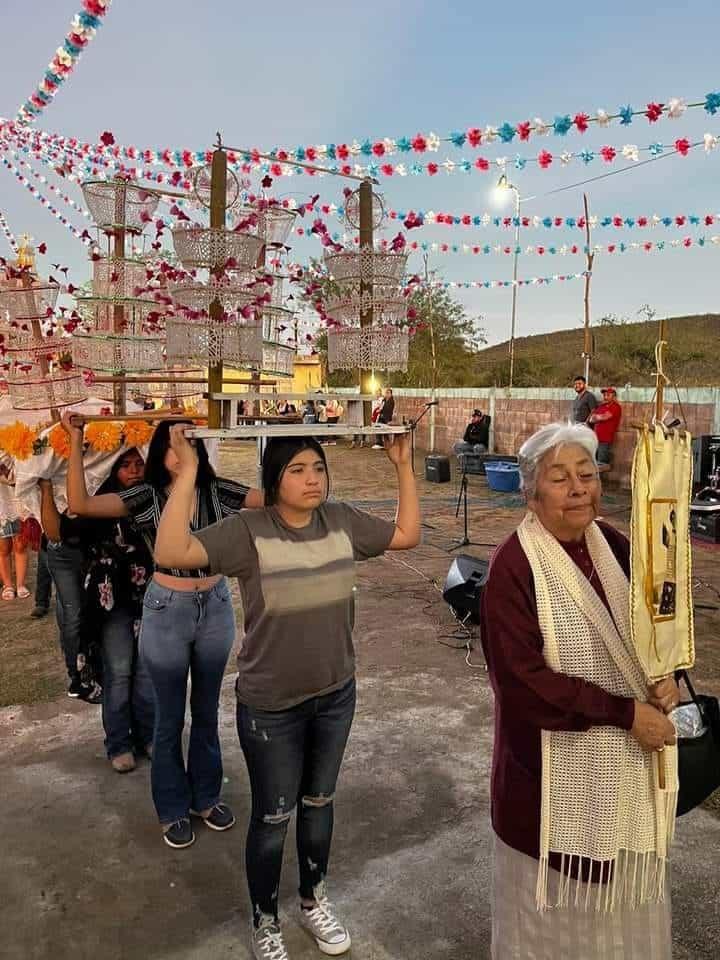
[464, 541]
[413, 424]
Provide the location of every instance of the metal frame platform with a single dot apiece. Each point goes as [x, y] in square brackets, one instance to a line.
[260, 430]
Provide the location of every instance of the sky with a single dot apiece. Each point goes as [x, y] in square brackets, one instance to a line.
[169, 74]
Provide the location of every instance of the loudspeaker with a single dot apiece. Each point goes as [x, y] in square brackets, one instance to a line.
[437, 469]
[464, 586]
[703, 457]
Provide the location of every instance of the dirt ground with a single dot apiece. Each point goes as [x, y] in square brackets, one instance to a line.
[84, 873]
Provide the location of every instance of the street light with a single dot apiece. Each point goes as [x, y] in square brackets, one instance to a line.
[503, 185]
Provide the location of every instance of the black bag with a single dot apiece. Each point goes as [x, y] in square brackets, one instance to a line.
[699, 756]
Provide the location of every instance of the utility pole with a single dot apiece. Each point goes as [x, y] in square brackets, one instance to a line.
[218, 198]
[366, 284]
[589, 258]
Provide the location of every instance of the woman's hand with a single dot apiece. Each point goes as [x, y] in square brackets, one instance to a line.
[183, 449]
[651, 728]
[73, 425]
[397, 448]
[664, 695]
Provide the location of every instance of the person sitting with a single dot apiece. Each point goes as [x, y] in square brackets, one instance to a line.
[582, 827]
[309, 413]
[477, 436]
[605, 420]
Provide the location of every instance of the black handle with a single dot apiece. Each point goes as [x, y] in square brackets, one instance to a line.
[684, 675]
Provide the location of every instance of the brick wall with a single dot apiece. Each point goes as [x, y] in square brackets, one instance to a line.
[517, 417]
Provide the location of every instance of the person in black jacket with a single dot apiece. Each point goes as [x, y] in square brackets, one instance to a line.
[386, 414]
[477, 435]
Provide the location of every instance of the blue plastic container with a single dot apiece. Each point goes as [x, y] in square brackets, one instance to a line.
[502, 476]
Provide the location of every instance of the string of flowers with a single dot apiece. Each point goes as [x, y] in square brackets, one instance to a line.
[17, 440]
[9, 235]
[83, 28]
[492, 284]
[412, 219]
[563, 250]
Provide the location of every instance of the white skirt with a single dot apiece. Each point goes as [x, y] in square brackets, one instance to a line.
[521, 932]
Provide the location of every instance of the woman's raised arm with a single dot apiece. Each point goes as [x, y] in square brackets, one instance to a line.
[107, 505]
[407, 519]
[175, 546]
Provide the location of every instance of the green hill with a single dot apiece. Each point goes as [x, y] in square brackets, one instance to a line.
[622, 353]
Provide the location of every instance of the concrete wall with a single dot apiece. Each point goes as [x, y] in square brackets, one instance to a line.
[517, 416]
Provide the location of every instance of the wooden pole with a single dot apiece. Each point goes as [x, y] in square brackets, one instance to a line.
[119, 390]
[218, 199]
[366, 285]
[589, 258]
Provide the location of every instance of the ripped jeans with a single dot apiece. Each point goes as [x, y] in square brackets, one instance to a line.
[293, 759]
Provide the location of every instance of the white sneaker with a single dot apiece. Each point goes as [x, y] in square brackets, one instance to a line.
[377, 446]
[330, 934]
[268, 943]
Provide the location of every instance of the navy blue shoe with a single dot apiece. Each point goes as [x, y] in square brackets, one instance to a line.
[220, 817]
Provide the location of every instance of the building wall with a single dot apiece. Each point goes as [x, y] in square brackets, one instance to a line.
[516, 417]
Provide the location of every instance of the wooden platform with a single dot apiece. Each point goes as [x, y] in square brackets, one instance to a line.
[320, 430]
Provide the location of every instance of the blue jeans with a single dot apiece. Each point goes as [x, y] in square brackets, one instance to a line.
[461, 448]
[65, 564]
[127, 709]
[293, 759]
[186, 633]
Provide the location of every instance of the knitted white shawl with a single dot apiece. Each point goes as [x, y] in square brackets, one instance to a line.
[600, 797]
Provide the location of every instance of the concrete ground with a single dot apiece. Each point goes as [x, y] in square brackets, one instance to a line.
[84, 874]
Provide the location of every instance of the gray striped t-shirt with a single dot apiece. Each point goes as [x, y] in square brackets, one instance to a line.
[297, 590]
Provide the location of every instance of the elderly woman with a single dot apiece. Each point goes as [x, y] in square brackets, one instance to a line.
[582, 827]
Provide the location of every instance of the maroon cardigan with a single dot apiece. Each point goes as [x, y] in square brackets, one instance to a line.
[529, 696]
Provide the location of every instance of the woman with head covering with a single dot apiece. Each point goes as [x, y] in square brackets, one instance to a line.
[582, 826]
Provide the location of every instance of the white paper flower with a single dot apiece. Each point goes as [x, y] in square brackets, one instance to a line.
[433, 142]
[656, 220]
[390, 145]
[565, 157]
[710, 142]
[676, 107]
[321, 149]
[354, 149]
[486, 219]
[449, 165]
[593, 221]
[489, 134]
[630, 152]
[430, 216]
[603, 118]
[540, 128]
[401, 170]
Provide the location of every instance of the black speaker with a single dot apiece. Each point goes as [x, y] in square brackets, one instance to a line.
[464, 586]
[437, 469]
[703, 457]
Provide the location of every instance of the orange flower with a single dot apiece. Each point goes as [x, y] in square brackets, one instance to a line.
[136, 433]
[17, 440]
[103, 436]
[59, 441]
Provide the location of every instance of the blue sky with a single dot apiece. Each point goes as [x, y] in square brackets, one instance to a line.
[280, 73]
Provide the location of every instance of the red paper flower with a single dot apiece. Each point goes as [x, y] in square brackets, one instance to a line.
[466, 219]
[482, 164]
[642, 221]
[682, 146]
[311, 154]
[680, 221]
[558, 221]
[687, 242]
[42, 248]
[654, 111]
[618, 222]
[709, 220]
[342, 151]
[611, 248]
[523, 130]
[419, 144]
[432, 169]
[378, 148]
[387, 169]
[608, 154]
[474, 136]
[581, 122]
[545, 158]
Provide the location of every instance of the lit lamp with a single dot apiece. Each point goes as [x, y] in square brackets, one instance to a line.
[500, 195]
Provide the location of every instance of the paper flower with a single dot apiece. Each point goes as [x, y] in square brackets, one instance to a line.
[626, 115]
[581, 122]
[655, 149]
[136, 433]
[683, 146]
[587, 156]
[565, 157]
[59, 441]
[506, 132]
[608, 154]
[540, 128]
[710, 142]
[523, 130]
[603, 118]
[712, 103]
[544, 159]
[654, 112]
[561, 125]
[630, 152]
[104, 436]
[433, 142]
[490, 134]
[676, 107]
[17, 440]
[419, 143]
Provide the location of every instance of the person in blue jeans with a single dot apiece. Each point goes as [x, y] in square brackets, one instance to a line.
[187, 629]
[296, 666]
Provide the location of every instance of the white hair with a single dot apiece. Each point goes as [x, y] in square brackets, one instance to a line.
[549, 438]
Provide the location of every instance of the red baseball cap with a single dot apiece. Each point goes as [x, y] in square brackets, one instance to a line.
[611, 390]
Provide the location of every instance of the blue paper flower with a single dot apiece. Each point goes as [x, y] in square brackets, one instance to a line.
[299, 153]
[660, 245]
[366, 148]
[88, 20]
[520, 162]
[424, 245]
[655, 149]
[516, 221]
[486, 284]
[53, 77]
[547, 222]
[465, 166]
[457, 221]
[331, 151]
[416, 169]
[630, 222]
[506, 132]
[694, 220]
[496, 221]
[457, 139]
[404, 145]
[550, 250]
[587, 156]
[667, 221]
[477, 221]
[570, 221]
[622, 248]
[519, 250]
[454, 248]
[486, 249]
[701, 241]
[72, 49]
[626, 115]
[712, 103]
[606, 221]
[562, 125]
[373, 169]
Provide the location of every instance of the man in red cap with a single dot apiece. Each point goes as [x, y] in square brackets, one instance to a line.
[605, 419]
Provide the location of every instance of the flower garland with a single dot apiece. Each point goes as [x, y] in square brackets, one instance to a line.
[412, 219]
[104, 435]
[563, 250]
[59, 441]
[18, 440]
[492, 284]
[9, 235]
[83, 28]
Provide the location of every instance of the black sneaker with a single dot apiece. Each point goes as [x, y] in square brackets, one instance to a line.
[39, 611]
[76, 689]
[220, 817]
[180, 834]
[92, 692]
